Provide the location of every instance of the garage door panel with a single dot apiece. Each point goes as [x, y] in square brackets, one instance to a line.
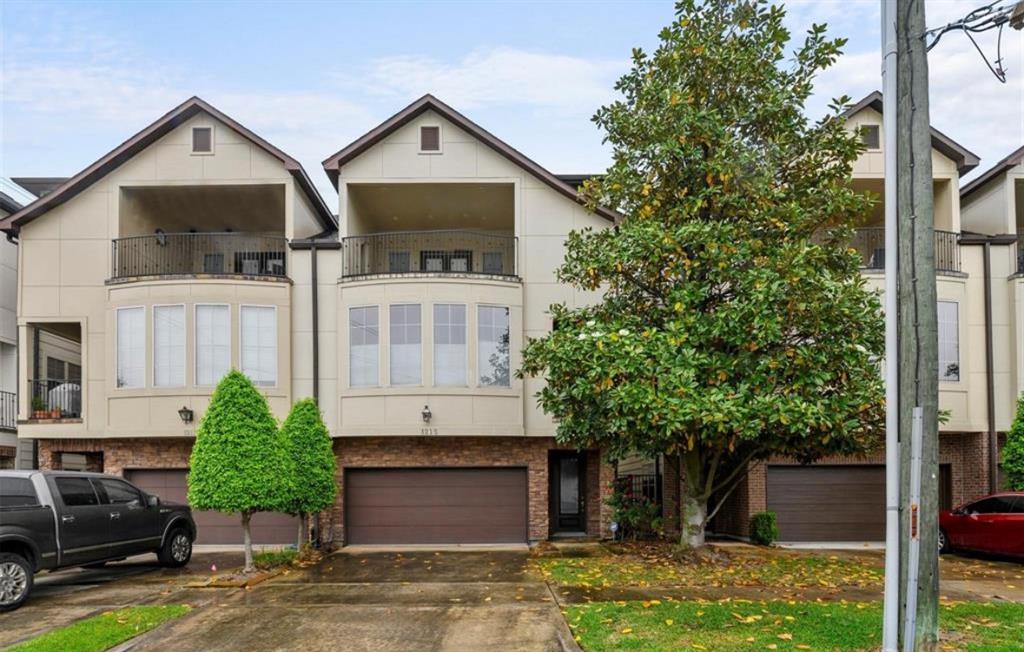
[216, 528]
[435, 505]
[828, 503]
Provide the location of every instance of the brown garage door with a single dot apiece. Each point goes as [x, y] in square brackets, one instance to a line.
[215, 527]
[435, 505]
[828, 503]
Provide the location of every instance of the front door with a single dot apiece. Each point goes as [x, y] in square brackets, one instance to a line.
[567, 495]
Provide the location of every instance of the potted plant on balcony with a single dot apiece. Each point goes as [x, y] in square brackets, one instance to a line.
[38, 408]
[54, 413]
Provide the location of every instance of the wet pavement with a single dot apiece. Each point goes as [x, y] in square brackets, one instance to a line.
[381, 601]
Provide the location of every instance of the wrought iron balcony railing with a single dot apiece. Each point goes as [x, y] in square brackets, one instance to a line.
[870, 243]
[175, 254]
[51, 398]
[435, 252]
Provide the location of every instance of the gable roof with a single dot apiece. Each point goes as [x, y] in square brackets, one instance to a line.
[1014, 159]
[140, 141]
[965, 159]
[8, 203]
[39, 186]
[430, 103]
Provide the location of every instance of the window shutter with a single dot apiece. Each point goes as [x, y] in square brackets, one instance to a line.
[430, 139]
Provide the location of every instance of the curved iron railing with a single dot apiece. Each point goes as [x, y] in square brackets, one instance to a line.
[172, 254]
[437, 252]
[870, 242]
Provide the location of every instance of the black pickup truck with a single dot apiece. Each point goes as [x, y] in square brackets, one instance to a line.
[57, 519]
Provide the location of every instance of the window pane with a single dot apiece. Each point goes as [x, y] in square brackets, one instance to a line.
[17, 492]
[493, 346]
[131, 347]
[213, 343]
[54, 369]
[949, 341]
[450, 344]
[202, 139]
[259, 344]
[76, 492]
[405, 344]
[363, 346]
[119, 493]
[169, 346]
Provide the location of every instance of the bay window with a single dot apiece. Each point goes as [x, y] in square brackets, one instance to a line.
[213, 343]
[493, 346]
[363, 346]
[169, 346]
[258, 326]
[449, 344]
[406, 339]
[131, 347]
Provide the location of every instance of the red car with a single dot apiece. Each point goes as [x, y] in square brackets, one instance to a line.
[993, 524]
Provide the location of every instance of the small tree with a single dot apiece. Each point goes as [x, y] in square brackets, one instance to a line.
[734, 323]
[238, 464]
[1013, 451]
[312, 457]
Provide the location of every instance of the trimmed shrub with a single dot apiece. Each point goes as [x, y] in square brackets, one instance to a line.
[1013, 450]
[764, 528]
[238, 463]
[309, 445]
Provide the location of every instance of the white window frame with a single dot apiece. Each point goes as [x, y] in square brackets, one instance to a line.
[277, 344]
[477, 342]
[440, 139]
[433, 344]
[959, 356]
[192, 140]
[184, 353]
[391, 380]
[195, 339]
[117, 347]
[380, 337]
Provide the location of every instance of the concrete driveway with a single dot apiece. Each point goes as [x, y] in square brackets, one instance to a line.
[481, 600]
[61, 598]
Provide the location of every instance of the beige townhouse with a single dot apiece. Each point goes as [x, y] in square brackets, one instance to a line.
[197, 246]
[14, 454]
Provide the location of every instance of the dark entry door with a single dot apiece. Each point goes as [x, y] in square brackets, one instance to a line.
[567, 495]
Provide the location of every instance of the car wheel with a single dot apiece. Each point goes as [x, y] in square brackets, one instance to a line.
[177, 549]
[943, 542]
[15, 580]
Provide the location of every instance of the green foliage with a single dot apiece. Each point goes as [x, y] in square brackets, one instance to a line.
[635, 513]
[764, 528]
[734, 323]
[1013, 450]
[104, 631]
[238, 462]
[273, 558]
[312, 456]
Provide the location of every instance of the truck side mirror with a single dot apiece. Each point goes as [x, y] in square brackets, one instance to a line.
[153, 501]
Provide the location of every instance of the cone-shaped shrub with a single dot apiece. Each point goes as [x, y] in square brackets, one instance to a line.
[308, 443]
[238, 462]
[1013, 451]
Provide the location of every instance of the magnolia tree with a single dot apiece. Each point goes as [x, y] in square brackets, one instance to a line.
[1013, 450]
[238, 463]
[309, 445]
[734, 324]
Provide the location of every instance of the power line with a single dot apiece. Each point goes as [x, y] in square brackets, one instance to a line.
[984, 19]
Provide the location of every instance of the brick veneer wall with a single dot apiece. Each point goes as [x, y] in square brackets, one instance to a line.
[531, 452]
[117, 455]
[966, 453]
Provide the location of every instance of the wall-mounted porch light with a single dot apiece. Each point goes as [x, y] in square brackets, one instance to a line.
[186, 414]
[426, 414]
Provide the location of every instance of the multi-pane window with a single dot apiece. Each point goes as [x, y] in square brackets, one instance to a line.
[259, 344]
[213, 343]
[493, 346]
[55, 369]
[168, 346]
[131, 347]
[363, 346]
[406, 340]
[449, 344]
[949, 341]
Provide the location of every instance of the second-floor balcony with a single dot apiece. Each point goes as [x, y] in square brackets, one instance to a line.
[191, 254]
[429, 252]
[870, 244]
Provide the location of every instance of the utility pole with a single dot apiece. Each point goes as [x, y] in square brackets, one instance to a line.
[918, 403]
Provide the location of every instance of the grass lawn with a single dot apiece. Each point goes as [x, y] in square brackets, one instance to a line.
[779, 568]
[104, 631]
[779, 625]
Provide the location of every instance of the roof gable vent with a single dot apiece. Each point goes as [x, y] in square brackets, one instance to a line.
[430, 139]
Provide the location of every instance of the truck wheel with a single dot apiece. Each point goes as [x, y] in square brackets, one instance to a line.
[15, 580]
[177, 549]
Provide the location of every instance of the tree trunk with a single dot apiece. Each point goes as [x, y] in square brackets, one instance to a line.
[303, 531]
[695, 511]
[247, 539]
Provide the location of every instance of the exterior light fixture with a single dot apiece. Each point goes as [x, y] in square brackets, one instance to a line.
[186, 414]
[426, 414]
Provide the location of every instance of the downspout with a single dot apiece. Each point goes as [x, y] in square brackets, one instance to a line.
[316, 325]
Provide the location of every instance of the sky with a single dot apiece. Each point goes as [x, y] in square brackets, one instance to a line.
[78, 78]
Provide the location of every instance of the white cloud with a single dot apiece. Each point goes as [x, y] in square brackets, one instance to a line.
[498, 76]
